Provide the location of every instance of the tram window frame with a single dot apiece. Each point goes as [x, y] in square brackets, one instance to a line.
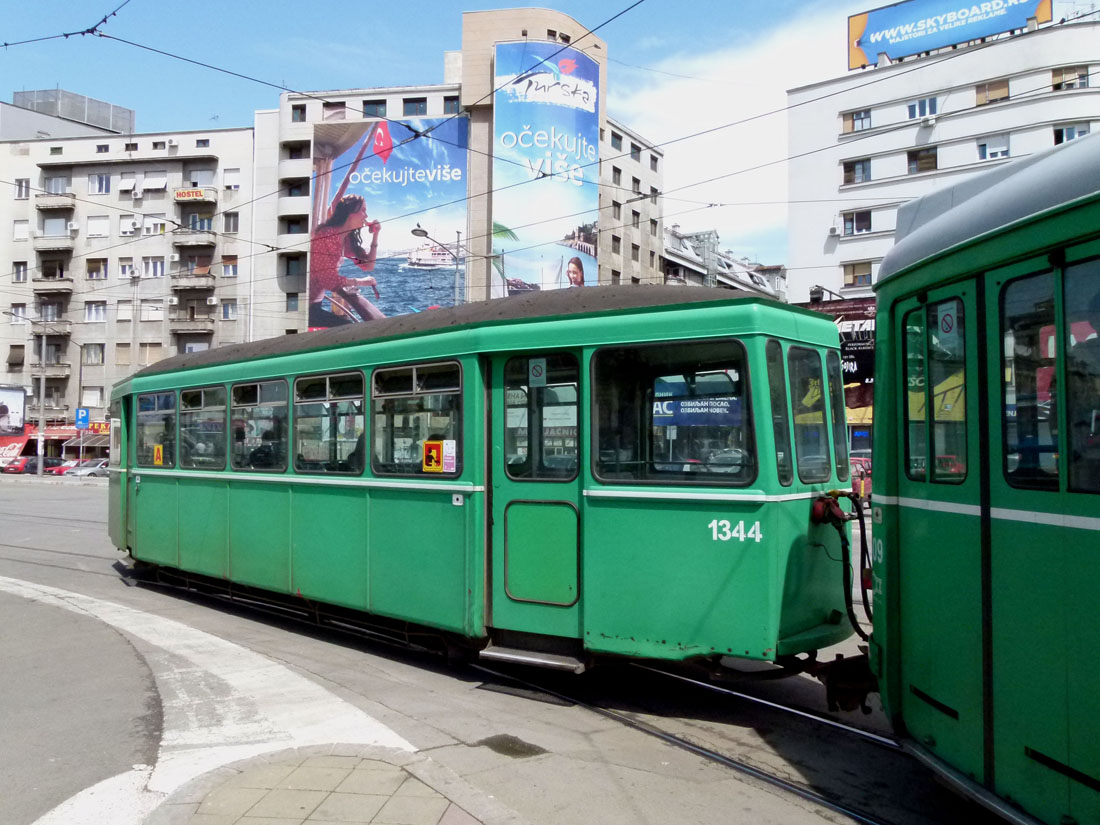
[270, 455]
[836, 408]
[146, 458]
[916, 465]
[195, 404]
[334, 404]
[631, 452]
[531, 462]
[803, 463]
[1031, 477]
[953, 467]
[780, 412]
[1082, 371]
[393, 392]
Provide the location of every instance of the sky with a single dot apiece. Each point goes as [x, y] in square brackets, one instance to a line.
[676, 68]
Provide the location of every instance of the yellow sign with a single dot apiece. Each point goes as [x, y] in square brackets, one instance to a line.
[190, 194]
[158, 455]
[99, 427]
[433, 457]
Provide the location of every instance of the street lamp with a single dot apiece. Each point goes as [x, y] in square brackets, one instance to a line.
[423, 233]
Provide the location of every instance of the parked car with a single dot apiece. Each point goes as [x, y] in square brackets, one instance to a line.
[63, 467]
[93, 468]
[28, 464]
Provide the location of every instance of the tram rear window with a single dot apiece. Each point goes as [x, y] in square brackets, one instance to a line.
[673, 413]
[811, 434]
[417, 420]
[259, 425]
[155, 434]
[202, 429]
[329, 424]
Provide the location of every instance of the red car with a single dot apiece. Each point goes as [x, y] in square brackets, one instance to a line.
[861, 477]
[28, 464]
[61, 468]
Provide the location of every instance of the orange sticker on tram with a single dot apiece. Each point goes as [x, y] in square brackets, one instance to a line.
[433, 457]
[158, 454]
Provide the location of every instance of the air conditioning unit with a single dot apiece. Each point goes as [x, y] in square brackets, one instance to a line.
[135, 225]
[135, 273]
[211, 301]
[930, 120]
[73, 226]
[174, 257]
[834, 230]
[172, 142]
[173, 301]
[137, 194]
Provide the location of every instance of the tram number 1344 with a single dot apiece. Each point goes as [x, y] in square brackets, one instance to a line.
[722, 530]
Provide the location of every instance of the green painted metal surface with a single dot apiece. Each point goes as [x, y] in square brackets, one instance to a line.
[540, 552]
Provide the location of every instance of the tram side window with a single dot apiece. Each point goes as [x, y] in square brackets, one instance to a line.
[329, 424]
[781, 413]
[417, 418]
[202, 429]
[115, 454]
[836, 408]
[916, 425]
[673, 413]
[811, 434]
[259, 425]
[155, 435]
[540, 431]
[1082, 286]
[1030, 350]
[947, 382]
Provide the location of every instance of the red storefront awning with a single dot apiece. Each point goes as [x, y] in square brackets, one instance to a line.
[11, 447]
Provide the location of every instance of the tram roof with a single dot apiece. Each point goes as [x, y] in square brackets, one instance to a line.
[524, 307]
[996, 199]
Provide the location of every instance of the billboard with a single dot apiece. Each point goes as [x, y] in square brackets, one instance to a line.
[855, 320]
[916, 26]
[13, 404]
[546, 134]
[373, 183]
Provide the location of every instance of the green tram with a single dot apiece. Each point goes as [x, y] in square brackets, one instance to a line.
[987, 484]
[543, 478]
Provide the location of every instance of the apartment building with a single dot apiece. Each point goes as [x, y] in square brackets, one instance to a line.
[863, 144]
[631, 225]
[696, 259]
[117, 251]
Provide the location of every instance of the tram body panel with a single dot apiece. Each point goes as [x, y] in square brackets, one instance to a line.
[203, 515]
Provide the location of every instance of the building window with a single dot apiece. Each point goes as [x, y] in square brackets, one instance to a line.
[616, 277]
[197, 222]
[122, 355]
[18, 313]
[415, 106]
[124, 311]
[636, 186]
[292, 302]
[19, 272]
[995, 146]
[20, 230]
[231, 222]
[295, 266]
[991, 92]
[333, 110]
[652, 258]
[55, 150]
[616, 176]
[295, 226]
[857, 274]
[1071, 77]
[22, 188]
[653, 227]
[616, 245]
[636, 152]
[91, 355]
[99, 226]
[635, 252]
[159, 144]
[616, 141]
[450, 105]
[231, 178]
[152, 267]
[127, 225]
[97, 269]
[551, 34]
[856, 223]
[229, 309]
[152, 309]
[653, 193]
[1064, 134]
[99, 184]
[297, 151]
[229, 266]
[92, 396]
[95, 311]
[857, 121]
[126, 267]
[130, 147]
[374, 108]
[58, 185]
[297, 189]
[922, 160]
[49, 311]
[922, 108]
[150, 353]
[102, 148]
[857, 171]
[616, 210]
[653, 163]
[298, 113]
[155, 225]
[636, 218]
[197, 265]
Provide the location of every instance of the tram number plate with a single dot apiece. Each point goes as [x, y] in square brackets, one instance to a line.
[722, 530]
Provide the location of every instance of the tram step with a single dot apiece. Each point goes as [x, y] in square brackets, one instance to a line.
[536, 658]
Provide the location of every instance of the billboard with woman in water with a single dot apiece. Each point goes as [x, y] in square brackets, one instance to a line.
[373, 183]
[546, 135]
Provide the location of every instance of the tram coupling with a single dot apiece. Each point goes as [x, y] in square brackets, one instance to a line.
[848, 680]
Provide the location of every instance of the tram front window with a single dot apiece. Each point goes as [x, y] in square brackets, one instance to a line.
[1082, 285]
[673, 413]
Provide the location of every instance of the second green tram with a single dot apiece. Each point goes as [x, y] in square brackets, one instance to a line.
[987, 484]
[623, 471]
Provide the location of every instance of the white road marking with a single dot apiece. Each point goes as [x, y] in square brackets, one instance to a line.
[221, 703]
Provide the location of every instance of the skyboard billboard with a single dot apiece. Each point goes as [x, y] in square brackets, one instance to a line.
[916, 26]
[546, 134]
[373, 183]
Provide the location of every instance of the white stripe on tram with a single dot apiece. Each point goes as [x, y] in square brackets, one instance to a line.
[999, 513]
[282, 478]
[687, 496]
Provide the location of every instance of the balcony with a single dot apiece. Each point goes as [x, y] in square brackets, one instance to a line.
[53, 243]
[180, 323]
[51, 370]
[294, 243]
[196, 194]
[52, 327]
[52, 286]
[294, 206]
[193, 237]
[296, 168]
[192, 280]
[49, 200]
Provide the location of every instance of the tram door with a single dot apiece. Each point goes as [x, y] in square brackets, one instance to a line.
[534, 472]
[938, 519]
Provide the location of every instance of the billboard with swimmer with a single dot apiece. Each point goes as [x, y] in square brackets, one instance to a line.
[546, 135]
[388, 216]
[915, 26]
